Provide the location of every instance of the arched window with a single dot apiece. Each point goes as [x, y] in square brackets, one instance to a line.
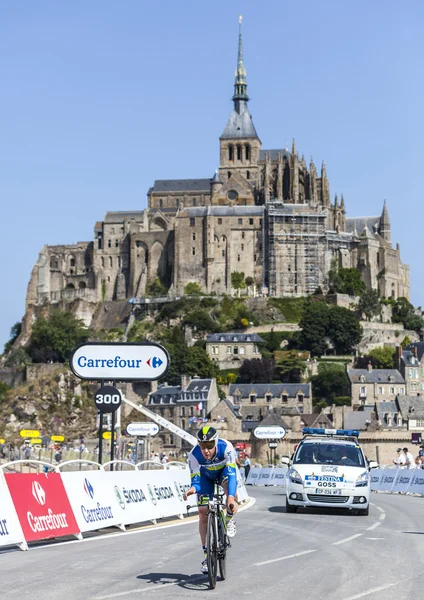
[231, 152]
[82, 285]
[103, 262]
[229, 174]
[72, 262]
[247, 152]
[110, 261]
[239, 154]
[247, 174]
[160, 203]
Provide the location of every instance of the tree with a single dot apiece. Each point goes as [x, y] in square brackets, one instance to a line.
[369, 304]
[55, 337]
[4, 388]
[291, 366]
[14, 334]
[257, 370]
[380, 358]
[17, 358]
[237, 281]
[346, 281]
[249, 281]
[331, 381]
[344, 329]
[201, 321]
[404, 312]
[192, 289]
[314, 325]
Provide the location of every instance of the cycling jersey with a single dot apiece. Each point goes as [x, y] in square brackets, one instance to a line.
[205, 472]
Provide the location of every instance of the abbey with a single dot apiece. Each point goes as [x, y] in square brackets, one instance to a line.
[264, 212]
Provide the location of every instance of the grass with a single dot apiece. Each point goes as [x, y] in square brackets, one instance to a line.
[291, 308]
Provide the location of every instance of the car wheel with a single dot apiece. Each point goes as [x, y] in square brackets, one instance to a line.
[290, 508]
[364, 512]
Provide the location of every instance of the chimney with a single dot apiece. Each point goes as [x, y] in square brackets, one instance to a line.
[369, 367]
[185, 381]
[398, 356]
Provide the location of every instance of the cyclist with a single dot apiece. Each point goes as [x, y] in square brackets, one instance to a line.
[212, 460]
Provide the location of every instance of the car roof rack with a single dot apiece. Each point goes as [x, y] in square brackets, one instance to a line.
[350, 434]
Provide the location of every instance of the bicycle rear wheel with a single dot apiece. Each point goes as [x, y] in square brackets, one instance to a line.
[212, 549]
[222, 552]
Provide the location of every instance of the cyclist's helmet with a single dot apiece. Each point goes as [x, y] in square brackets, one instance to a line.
[207, 434]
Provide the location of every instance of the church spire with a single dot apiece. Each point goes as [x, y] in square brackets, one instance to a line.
[240, 85]
[385, 231]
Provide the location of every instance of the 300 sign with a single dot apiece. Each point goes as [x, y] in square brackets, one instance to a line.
[108, 399]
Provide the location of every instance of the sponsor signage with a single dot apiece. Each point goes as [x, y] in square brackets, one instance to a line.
[108, 399]
[107, 435]
[36, 441]
[42, 505]
[142, 429]
[2, 441]
[29, 433]
[92, 499]
[269, 433]
[120, 361]
[57, 438]
[10, 530]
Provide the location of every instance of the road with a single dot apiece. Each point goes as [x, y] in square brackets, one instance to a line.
[311, 554]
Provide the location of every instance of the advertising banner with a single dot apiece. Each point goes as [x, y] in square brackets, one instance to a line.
[10, 529]
[387, 480]
[253, 477]
[265, 476]
[376, 476]
[42, 505]
[403, 480]
[242, 494]
[134, 500]
[417, 483]
[279, 476]
[166, 489]
[92, 499]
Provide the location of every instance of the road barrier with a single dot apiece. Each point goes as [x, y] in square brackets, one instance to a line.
[267, 476]
[400, 480]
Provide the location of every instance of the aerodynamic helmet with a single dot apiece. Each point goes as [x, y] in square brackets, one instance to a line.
[207, 434]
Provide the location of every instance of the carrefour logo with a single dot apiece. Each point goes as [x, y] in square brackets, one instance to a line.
[38, 493]
[88, 488]
[154, 362]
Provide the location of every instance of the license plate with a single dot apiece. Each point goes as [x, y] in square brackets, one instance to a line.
[329, 492]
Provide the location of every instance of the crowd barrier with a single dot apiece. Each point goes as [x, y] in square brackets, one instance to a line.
[37, 506]
[267, 476]
[406, 481]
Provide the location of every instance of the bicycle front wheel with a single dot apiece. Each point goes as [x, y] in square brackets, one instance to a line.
[212, 549]
[222, 552]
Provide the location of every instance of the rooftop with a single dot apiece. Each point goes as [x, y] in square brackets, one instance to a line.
[375, 376]
[276, 389]
[181, 185]
[233, 337]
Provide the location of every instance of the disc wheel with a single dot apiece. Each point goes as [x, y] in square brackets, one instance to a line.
[212, 549]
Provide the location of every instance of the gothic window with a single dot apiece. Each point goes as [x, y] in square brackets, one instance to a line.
[230, 152]
[229, 174]
[247, 152]
[193, 251]
[110, 261]
[72, 262]
[103, 261]
[232, 195]
[109, 243]
[254, 258]
[194, 202]
[160, 203]
[193, 237]
[238, 257]
[192, 221]
[116, 243]
[239, 156]
[247, 174]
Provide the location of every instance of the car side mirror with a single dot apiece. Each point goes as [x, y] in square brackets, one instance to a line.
[372, 464]
[285, 460]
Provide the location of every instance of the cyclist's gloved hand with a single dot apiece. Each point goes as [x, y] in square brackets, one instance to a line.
[232, 506]
[189, 492]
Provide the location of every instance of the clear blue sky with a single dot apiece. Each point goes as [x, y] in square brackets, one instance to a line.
[100, 98]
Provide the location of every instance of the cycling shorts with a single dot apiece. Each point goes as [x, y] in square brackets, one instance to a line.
[207, 483]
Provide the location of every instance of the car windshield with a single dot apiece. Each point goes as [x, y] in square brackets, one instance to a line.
[329, 454]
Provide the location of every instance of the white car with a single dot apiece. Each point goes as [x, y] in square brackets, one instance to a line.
[328, 469]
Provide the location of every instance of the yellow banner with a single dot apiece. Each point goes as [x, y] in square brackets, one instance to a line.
[107, 435]
[29, 433]
[36, 441]
[57, 438]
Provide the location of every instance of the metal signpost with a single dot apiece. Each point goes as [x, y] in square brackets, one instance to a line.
[112, 362]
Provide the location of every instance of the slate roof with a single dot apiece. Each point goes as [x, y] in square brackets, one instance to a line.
[409, 358]
[240, 124]
[273, 419]
[224, 338]
[411, 407]
[273, 154]
[234, 409]
[358, 419]
[372, 223]
[181, 185]
[312, 419]
[375, 376]
[419, 346]
[276, 389]
[225, 211]
[174, 394]
[119, 216]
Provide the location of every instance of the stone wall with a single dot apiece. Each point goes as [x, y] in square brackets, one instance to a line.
[383, 334]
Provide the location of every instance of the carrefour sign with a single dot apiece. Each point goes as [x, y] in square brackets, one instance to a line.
[120, 361]
[269, 433]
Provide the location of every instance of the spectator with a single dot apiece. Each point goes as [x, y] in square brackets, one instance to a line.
[58, 456]
[409, 459]
[27, 452]
[400, 461]
[156, 458]
[164, 459]
[246, 467]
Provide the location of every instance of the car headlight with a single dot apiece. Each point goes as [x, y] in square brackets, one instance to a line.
[295, 476]
[362, 480]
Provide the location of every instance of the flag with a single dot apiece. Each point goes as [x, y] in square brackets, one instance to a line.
[199, 406]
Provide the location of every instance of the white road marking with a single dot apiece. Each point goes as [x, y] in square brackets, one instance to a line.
[372, 591]
[378, 507]
[149, 589]
[374, 538]
[382, 516]
[273, 560]
[348, 539]
[374, 526]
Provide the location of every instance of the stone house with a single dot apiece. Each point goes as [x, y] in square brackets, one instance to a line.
[410, 362]
[229, 350]
[285, 399]
[186, 405]
[368, 386]
[227, 419]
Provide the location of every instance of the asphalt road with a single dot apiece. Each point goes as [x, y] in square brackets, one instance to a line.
[311, 554]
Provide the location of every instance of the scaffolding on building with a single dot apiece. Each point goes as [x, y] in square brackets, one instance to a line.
[294, 242]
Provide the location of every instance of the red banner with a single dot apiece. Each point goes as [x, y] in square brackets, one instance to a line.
[42, 505]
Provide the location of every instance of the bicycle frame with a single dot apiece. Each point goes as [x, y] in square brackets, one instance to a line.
[217, 541]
